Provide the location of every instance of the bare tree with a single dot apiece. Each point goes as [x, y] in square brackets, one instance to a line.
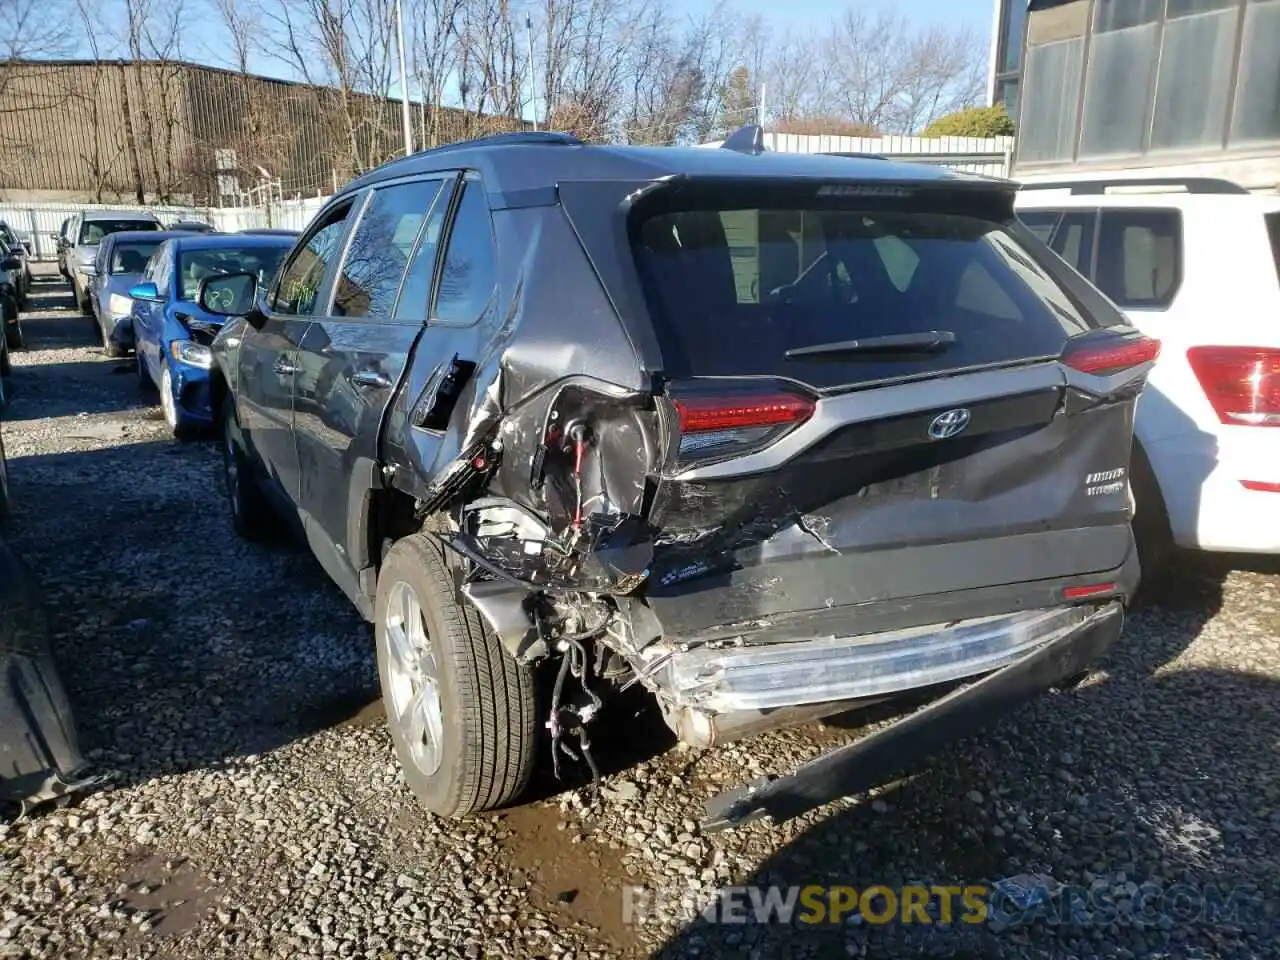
[153, 37]
[343, 49]
[434, 50]
[875, 70]
[93, 152]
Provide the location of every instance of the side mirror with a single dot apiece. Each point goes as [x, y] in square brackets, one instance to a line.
[230, 295]
[11, 263]
[144, 291]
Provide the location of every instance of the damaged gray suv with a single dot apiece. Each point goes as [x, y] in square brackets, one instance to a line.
[771, 436]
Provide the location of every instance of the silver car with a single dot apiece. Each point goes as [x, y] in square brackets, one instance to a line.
[92, 227]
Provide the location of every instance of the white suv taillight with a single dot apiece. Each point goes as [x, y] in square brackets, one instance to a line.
[1242, 383]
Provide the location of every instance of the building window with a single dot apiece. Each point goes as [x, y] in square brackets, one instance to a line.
[1257, 109]
[1122, 59]
[1014, 15]
[1195, 73]
[1047, 125]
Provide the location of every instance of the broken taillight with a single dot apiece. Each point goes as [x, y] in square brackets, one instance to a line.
[1242, 383]
[1110, 353]
[730, 424]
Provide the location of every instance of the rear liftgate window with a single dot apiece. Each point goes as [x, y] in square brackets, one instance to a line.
[735, 284]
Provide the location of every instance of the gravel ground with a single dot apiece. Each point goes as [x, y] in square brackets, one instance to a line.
[255, 809]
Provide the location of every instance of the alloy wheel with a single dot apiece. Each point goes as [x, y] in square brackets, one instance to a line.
[413, 697]
[167, 403]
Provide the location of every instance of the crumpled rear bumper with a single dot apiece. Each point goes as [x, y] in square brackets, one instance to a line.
[785, 673]
[895, 749]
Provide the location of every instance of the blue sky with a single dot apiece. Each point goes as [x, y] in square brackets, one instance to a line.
[975, 13]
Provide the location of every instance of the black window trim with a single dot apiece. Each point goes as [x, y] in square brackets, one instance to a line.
[318, 223]
[329, 281]
[1179, 255]
[446, 239]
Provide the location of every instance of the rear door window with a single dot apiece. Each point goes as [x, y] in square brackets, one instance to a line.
[1040, 222]
[92, 231]
[131, 257]
[1139, 257]
[1073, 239]
[469, 272]
[381, 247]
[732, 289]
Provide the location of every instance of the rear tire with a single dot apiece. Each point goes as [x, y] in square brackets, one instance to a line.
[12, 326]
[109, 347]
[485, 728]
[251, 514]
[1151, 530]
[180, 429]
[6, 362]
[145, 385]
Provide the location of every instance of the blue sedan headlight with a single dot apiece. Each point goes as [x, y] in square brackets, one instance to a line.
[191, 353]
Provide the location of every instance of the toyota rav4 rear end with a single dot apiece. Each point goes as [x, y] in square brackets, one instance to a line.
[881, 450]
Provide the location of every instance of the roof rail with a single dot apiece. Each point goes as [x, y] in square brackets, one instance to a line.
[748, 139]
[515, 138]
[1079, 188]
[854, 156]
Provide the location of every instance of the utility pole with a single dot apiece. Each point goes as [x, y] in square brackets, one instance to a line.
[404, 83]
[533, 77]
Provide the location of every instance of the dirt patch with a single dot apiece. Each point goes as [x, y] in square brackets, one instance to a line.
[169, 892]
[569, 873]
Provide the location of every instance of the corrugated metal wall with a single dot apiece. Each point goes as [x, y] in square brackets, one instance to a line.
[107, 131]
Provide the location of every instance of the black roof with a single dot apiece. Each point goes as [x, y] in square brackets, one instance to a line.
[520, 162]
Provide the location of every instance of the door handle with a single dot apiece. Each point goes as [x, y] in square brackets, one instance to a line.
[370, 378]
[283, 366]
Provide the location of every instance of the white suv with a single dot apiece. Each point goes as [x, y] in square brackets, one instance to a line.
[1195, 264]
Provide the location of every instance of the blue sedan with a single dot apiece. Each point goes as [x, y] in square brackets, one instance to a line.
[172, 333]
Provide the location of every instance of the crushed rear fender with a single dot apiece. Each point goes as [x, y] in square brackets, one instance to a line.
[893, 751]
[40, 757]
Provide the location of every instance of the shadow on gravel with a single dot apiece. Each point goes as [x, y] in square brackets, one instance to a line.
[42, 391]
[181, 646]
[48, 295]
[1162, 784]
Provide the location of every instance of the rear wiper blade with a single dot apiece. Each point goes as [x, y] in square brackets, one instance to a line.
[926, 341]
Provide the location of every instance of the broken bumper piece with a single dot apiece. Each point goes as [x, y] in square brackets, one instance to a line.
[893, 750]
[777, 675]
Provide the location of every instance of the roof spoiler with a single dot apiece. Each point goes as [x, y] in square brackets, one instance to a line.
[748, 139]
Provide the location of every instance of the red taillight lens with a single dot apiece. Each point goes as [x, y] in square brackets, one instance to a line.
[1261, 486]
[699, 414]
[1110, 354]
[1090, 590]
[731, 425]
[1242, 383]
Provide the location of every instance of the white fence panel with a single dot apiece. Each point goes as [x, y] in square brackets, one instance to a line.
[37, 223]
[991, 156]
